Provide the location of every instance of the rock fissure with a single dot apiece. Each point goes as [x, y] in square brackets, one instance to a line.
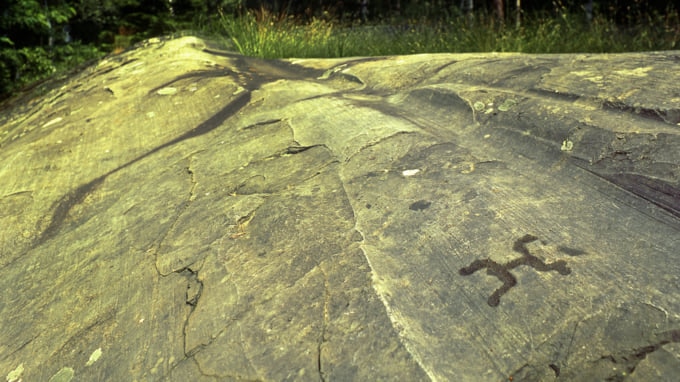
[262, 123]
[630, 359]
[177, 216]
[324, 326]
[193, 295]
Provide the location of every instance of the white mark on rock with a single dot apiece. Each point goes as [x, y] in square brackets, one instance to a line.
[15, 375]
[408, 173]
[94, 356]
[167, 91]
[567, 145]
[52, 122]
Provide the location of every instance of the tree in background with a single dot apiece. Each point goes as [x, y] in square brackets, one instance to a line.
[29, 30]
[39, 36]
[34, 22]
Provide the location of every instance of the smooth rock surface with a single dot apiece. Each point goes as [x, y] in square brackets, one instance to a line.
[183, 213]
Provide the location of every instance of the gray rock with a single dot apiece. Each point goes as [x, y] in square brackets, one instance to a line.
[180, 213]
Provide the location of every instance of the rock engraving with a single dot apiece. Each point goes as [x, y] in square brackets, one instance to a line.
[502, 271]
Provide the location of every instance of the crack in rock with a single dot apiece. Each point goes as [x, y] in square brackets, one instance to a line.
[630, 359]
[190, 198]
[324, 325]
[193, 295]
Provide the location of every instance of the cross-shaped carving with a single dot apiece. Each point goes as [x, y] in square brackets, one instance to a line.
[502, 271]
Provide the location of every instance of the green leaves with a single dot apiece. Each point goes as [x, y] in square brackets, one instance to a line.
[61, 14]
[24, 19]
[30, 32]
[24, 14]
[6, 40]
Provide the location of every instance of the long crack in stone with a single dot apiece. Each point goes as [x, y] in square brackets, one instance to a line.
[324, 325]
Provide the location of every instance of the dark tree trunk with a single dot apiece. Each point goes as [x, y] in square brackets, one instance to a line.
[499, 9]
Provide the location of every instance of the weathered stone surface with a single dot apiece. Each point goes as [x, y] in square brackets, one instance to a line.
[182, 213]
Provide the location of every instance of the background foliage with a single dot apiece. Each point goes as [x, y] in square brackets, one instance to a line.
[41, 37]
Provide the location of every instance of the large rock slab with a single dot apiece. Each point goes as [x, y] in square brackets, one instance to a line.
[181, 213]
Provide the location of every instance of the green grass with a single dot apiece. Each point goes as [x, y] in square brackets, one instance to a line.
[266, 35]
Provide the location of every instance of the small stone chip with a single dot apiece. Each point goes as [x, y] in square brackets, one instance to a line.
[15, 375]
[52, 122]
[94, 356]
[167, 91]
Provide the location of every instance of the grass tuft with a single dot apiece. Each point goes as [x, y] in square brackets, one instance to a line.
[267, 35]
